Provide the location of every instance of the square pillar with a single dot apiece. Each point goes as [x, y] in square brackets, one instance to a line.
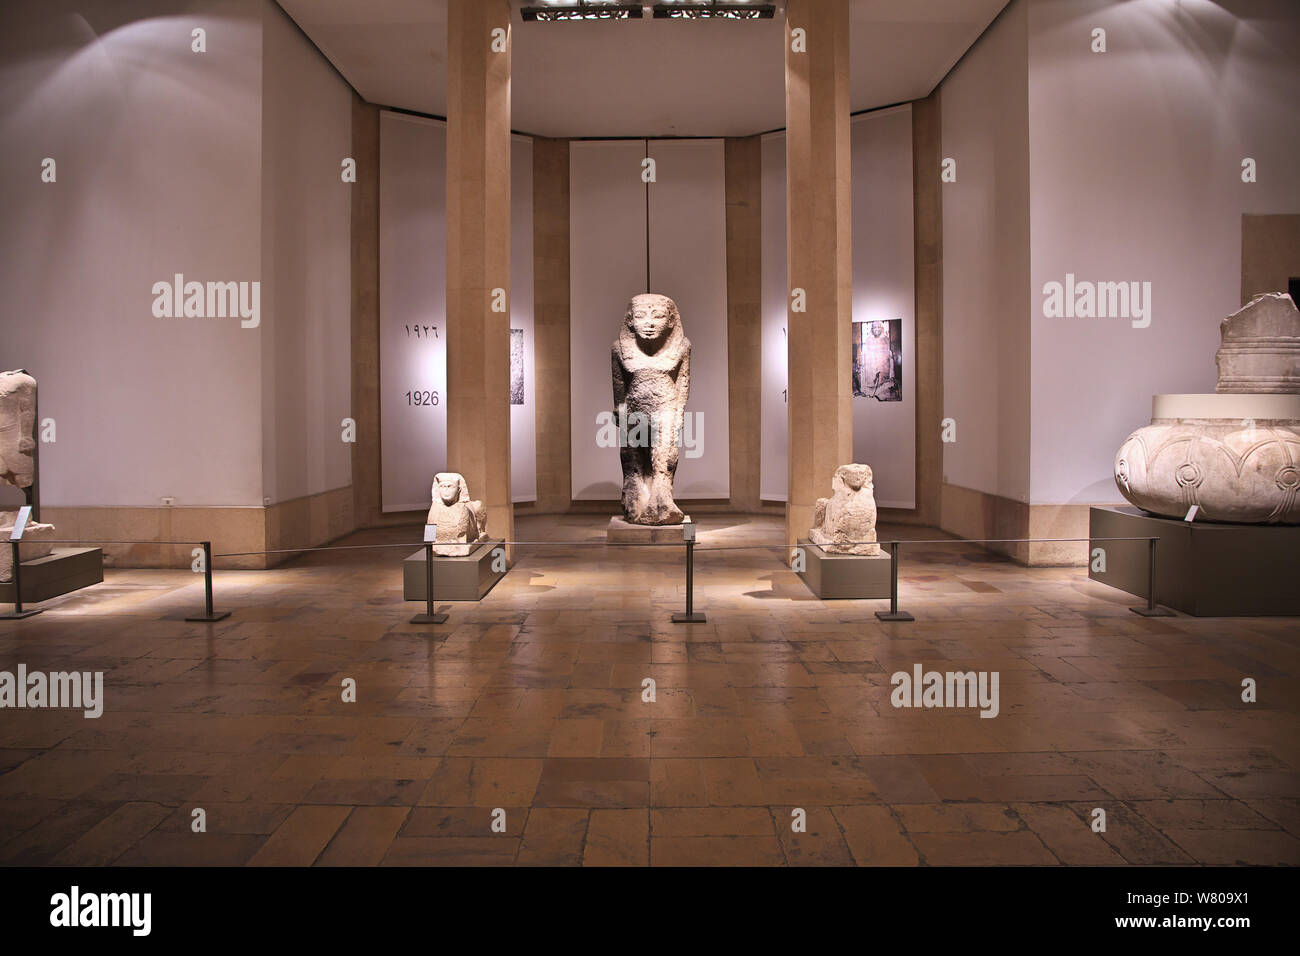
[478, 253]
[819, 252]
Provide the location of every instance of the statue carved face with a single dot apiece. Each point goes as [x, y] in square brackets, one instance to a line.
[651, 316]
[448, 488]
[853, 477]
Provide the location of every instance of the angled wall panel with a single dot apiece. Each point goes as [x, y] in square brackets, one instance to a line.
[412, 307]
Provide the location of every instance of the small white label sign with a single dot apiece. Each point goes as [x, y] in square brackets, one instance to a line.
[20, 523]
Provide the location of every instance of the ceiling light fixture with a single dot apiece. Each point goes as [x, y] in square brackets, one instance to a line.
[713, 9]
[583, 10]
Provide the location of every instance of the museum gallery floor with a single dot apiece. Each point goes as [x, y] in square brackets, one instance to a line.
[531, 702]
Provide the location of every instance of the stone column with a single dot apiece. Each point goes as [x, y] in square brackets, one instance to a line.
[551, 322]
[366, 453]
[744, 190]
[478, 253]
[927, 232]
[818, 252]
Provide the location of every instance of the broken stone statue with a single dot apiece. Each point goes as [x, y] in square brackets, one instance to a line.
[652, 376]
[1234, 454]
[18, 466]
[17, 428]
[460, 522]
[845, 523]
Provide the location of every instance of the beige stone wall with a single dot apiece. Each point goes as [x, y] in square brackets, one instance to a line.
[478, 254]
[927, 238]
[1270, 253]
[299, 523]
[744, 192]
[819, 249]
[977, 514]
[551, 322]
[365, 316]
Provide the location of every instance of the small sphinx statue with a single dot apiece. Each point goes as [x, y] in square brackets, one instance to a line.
[652, 377]
[845, 523]
[460, 522]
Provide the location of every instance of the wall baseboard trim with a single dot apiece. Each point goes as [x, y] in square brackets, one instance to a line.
[969, 514]
[306, 522]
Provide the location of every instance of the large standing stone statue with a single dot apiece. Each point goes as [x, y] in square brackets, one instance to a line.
[17, 428]
[18, 465]
[846, 521]
[1234, 454]
[460, 522]
[652, 376]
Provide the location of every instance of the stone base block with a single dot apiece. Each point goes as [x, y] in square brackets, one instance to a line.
[465, 578]
[845, 576]
[622, 531]
[1203, 569]
[64, 570]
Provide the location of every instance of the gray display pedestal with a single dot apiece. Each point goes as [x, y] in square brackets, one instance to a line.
[61, 571]
[835, 577]
[622, 531]
[1203, 569]
[465, 578]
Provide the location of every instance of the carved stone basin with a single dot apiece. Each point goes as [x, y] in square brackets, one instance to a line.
[1235, 456]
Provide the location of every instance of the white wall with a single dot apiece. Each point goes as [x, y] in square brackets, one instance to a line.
[607, 266]
[884, 433]
[884, 284]
[412, 295]
[1136, 171]
[221, 165]
[985, 128]
[607, 229]
[523, 418]
[413, 292]
[688, 263]
[306, 266]
[158, 153]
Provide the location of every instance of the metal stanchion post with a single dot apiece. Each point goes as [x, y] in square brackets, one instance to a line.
[208, 614]
[690, 617]
[428, 617]
[18, 613]
[1152, 609]
[894, 613]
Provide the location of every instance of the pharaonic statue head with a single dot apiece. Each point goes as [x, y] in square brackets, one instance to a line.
[450, 487]
[854, 477]
[651, 317]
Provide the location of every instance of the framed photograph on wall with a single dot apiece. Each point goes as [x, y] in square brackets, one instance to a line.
[878, 359]
[516, 366]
